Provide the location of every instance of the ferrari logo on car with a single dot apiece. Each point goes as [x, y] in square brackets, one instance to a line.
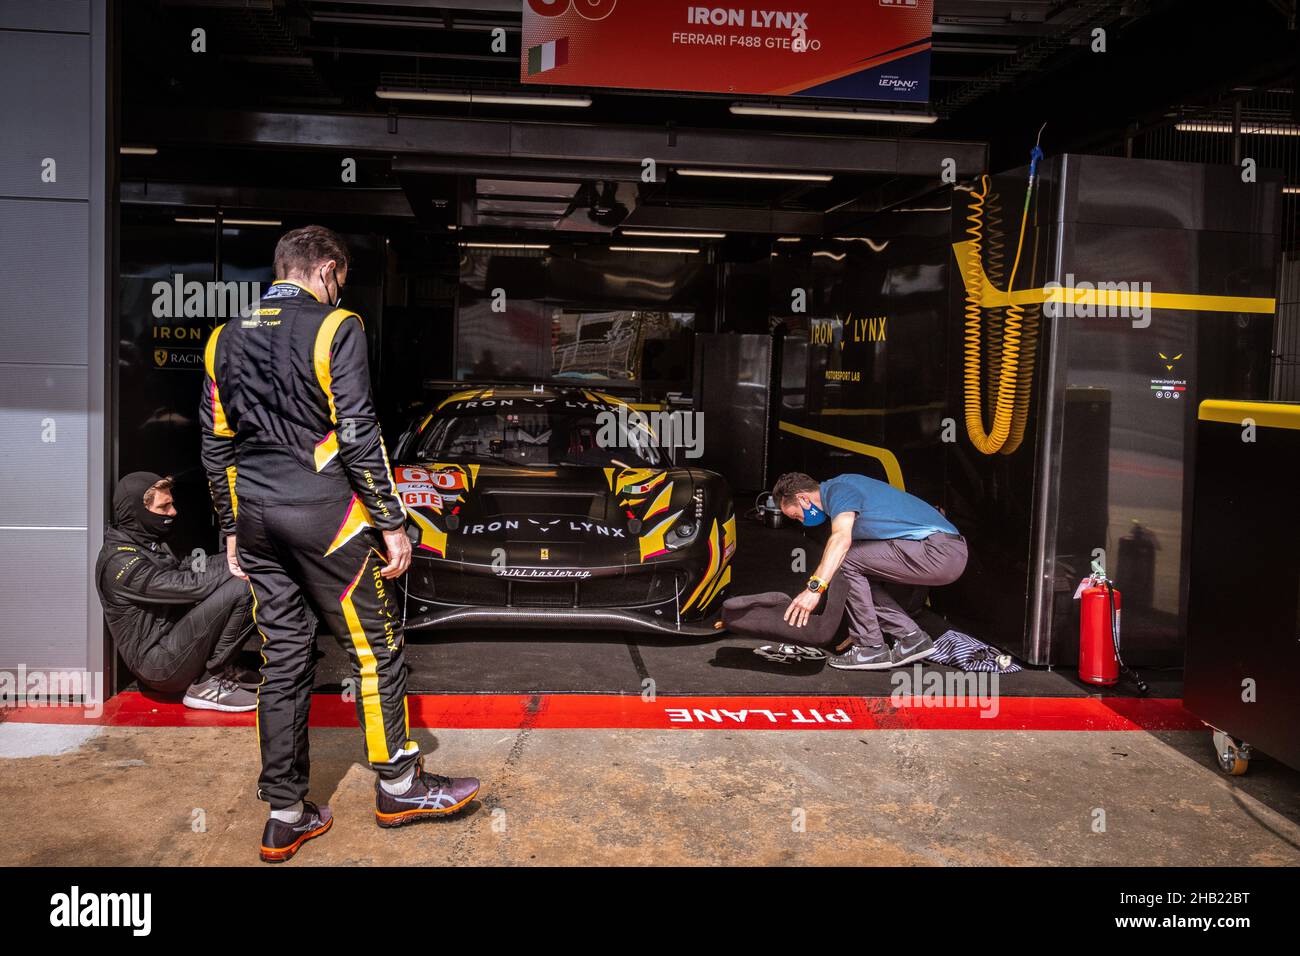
[546, 554]
[160, 357]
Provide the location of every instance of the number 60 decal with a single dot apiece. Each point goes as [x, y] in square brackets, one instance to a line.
[587, 9]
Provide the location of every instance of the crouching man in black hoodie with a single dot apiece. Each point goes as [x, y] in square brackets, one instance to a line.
[178, 628]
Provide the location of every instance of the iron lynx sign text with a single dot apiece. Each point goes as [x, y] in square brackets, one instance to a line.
[759, 19]
[866, 50]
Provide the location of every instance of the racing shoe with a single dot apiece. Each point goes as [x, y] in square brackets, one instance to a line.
[914, 647]
[281, 840]
[863, 657]
[429, 795]
[219, 693]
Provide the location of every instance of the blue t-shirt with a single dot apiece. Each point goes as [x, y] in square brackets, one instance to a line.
[883, 511]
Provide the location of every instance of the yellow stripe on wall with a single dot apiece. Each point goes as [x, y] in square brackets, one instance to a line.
[883, 455]
[993, 298]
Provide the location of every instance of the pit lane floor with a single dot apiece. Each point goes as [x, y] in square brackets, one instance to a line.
[184, 795]
[579, 769]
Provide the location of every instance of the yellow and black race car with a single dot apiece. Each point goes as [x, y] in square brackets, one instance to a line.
[555, 507]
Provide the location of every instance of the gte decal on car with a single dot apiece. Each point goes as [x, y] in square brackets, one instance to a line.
[435, 486]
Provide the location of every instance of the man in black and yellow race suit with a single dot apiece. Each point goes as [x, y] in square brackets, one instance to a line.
[303, 490]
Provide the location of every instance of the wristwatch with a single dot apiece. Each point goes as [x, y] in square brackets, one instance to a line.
[816, 585]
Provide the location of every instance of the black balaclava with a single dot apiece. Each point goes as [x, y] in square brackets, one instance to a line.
[129, 511]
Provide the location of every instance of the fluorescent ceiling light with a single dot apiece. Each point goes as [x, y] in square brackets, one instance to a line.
[668, 234]
[505, 99]
[745, 174]
[837, 256]
[789, 239]
[681, 249]
[211, 220]
[812, 112]
[138, 150]
[1253, 127]
[1291, 190]
[506, 245]
[872, 243]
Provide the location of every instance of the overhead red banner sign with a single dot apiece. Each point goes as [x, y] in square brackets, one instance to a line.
[853, 49]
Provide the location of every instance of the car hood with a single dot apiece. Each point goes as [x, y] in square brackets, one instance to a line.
[546, 517]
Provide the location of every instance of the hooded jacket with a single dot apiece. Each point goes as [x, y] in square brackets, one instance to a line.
[144, 588]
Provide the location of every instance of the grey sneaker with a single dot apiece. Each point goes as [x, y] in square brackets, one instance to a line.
[219, 693]
[862, 658]
[429, 795]
[916, 646]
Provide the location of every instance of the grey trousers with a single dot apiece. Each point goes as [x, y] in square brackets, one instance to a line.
[876, 569]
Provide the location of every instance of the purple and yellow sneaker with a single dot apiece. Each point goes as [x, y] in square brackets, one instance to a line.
[430, 795]
[281, 840]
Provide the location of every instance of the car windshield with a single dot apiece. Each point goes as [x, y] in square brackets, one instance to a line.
[539, 433]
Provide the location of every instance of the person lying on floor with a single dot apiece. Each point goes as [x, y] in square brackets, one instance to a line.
[879, 535]
[177, 628]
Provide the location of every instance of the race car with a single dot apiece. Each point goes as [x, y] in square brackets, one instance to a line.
[555, 506]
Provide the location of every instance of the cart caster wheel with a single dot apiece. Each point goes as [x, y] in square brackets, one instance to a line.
[1233, 755]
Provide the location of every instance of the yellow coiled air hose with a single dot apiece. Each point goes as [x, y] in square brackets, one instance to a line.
[1014, 378]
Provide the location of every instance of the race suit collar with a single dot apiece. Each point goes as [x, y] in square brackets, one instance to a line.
[297, 285]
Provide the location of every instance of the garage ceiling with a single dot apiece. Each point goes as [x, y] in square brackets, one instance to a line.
[286, 87]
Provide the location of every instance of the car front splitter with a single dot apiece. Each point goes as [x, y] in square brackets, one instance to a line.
[561, 617]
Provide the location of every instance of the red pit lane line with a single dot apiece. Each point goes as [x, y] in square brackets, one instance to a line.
[630, 712]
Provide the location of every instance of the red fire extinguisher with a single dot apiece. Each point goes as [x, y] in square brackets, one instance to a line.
[1099, 607]
[1098, 632]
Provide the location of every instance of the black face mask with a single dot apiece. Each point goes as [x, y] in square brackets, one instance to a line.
[337, 298]
[130, 513]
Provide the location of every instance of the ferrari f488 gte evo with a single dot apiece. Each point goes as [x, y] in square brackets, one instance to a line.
[541, 506]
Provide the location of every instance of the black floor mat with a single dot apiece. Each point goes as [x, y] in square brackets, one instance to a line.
[470, 661]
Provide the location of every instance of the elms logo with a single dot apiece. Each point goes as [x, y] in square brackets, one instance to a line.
[892, 81]
[74, 909]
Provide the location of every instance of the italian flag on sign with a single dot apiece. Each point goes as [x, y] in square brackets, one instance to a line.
[548, 56]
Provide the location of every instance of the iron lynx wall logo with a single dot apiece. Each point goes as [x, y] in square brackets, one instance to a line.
[1169, 387]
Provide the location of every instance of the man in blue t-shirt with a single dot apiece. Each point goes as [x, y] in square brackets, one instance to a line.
[878, 534]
